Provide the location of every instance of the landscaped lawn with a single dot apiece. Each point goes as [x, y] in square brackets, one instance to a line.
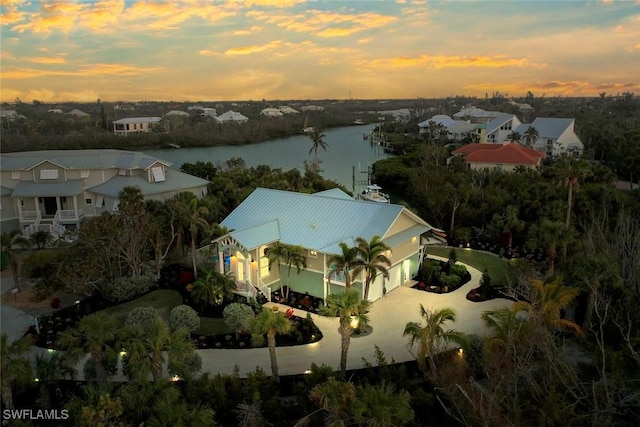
[497, 267]
[162, 300]
[213, 326]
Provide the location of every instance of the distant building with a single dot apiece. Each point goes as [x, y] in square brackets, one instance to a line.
[177, 113]
[475, 115]
[271, 112]
[231, 117]
[124, 127]
[78, 113]
[506, 157]
[556, 136]
[285, 109]
[456, 129]
[500, 127]
[312, 108]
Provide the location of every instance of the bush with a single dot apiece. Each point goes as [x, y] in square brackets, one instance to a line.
[41, 264]
[126, 288]
[453, 256]
[485, 282]
[55, 303]
[143, 318]
[184, 317]
[42, 291]
[238, 316]
[450, 280]
[458, 270]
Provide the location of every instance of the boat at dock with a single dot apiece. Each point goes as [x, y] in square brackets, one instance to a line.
[372, 193]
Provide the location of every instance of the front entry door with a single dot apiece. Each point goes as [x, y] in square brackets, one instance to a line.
[50, 206]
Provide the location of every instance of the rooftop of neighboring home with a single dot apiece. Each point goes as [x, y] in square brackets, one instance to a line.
[79, 159]
[500, 154]
[548, 127]
[472, 112]
[315, 221]
[138, 120]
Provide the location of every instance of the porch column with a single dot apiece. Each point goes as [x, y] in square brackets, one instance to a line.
[37, 199]
[325, 282]
[247, 270]
[221, 261]
[75, 207]
[19, 203]
[58, 204]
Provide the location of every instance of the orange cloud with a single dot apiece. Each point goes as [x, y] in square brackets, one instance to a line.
[46, 60]
[555, 87]
[365, 40]
[87, 71]
[442, 61]
[273, 3]
[247, 50]
[252, 30]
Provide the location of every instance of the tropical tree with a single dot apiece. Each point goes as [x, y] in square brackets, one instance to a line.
[15, 366]
[514, 137]
[40, 238]
[549, 235]
[335, 398]
[50, 367]
[277, 253]
[270, 324]
[572, 171]
[531, 136]
[381, 405]
[212, 288]
[96, 334]
[317, 139]
[147, 352]
[352, 311]
[9, 241]
[431, 337]
[134, 229]
[295, 258]
[510, 332]
[372, 260]
[344, 262]
[193, 216]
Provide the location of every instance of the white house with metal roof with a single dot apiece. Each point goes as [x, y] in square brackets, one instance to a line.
[53, 189]
[231, 116]
[319, 223]
[124, 127]
[555, 136]
[499, 128]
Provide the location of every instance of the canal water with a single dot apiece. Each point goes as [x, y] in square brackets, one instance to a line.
[346, 149]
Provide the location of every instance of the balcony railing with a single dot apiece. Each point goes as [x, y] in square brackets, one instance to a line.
[30, 215]
[70, 214]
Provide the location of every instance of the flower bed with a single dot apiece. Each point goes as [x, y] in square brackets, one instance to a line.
[297, 300]
[441, 276]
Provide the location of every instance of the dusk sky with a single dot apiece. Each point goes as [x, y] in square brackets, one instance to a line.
[197, 50]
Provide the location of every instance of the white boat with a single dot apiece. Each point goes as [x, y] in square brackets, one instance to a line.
[358, 122]
[306, 128]
[373, 194]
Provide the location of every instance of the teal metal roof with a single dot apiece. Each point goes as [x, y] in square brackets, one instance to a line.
[4, 191]
[405, 235]
[175, 181]
[47, 189]
[262, 234]
[313, 221]
[334, 192]
[79, 159]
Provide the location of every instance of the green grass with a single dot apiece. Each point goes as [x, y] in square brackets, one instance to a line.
[162, 300]
[497, 267]
[213, 326]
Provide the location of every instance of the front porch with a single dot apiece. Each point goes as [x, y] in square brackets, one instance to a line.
[52, 214]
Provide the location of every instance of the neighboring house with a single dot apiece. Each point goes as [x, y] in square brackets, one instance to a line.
[78, 113]
[124, 127]
[55, 111]
[285, 109]
[506, 157]
[124, 107]
[319, 223]
[271, 112]
[456, 129]
[475, 115]
[209, 112]
[499, 128]
[312, 108]
[555, 136]
[55, 189]
[231, 116]
[177, 113]
[10, 115]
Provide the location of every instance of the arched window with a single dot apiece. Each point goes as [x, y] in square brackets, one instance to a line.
[264, 262]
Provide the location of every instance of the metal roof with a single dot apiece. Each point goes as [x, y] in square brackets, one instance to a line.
[138, 120]
[47, 189]
[175, 181]
[405, 235]
[5, 191]
[313, 221]
[334, 192]
[259, 235]
[79, 159]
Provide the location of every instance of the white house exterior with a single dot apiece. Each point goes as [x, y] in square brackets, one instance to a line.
[55, 189]
[456, 129]
[500, 127]
[271, 112]
[556, 136]
[124, 127]
[476, 115]
[231, 117]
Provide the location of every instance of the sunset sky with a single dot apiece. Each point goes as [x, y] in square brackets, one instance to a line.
[197, 50]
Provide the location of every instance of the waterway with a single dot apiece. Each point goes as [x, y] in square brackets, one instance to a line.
[346, 149]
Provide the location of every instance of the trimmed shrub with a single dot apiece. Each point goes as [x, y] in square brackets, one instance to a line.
[143, 318]
[458, 270]
[450, 280]
[238, 316]
[485, 282]
[126, 288]
[184, 317]
[453, 256]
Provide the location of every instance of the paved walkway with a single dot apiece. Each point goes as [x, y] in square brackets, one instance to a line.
[388, 317]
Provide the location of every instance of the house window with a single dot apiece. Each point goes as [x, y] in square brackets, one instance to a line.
[84, 173]
[63, 199]
[414, 240]
[135, 126]
[500, 167]
[87, 201]
[158, 173]
[49, 174]
[15, 174]
[313, 254]
[100, 201]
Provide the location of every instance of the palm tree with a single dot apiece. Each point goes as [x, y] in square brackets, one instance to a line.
[318, 142]
[96, 334]
[145, 352]
[549, 235]
[9, 240]
[278, 253]
[531, 136]
[352, 311]
[295, 258]
[344, 263]
[336, 398]
[50, 367]
[40, 238]
[508, 328]
[514, 137]
[270, 324]
[548, 301]
[15, 367]
[193, 215]
[381, 405]
[372, 260]
[213, 288]
[572, 172]
[431, 337]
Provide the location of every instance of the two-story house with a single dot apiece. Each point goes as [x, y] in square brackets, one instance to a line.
[124, 127]
[555, 136]
[55, 189]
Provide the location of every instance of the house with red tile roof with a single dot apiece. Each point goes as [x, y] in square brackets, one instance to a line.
[505, 157]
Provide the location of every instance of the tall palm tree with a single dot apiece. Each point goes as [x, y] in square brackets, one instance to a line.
[508, 328]
[278, 253]
[193, 215]
[549, 235]
[96, 334]
[381, 405]
[50, 367]
[531, 136]
[15, 366]
[270, 324]
[352, 311]
[9, 240]
[432, 337]
[372, 260]
[147, 353]
[336, 398]
[212, 288]
[344, 263]
[572, 171]
[548, 301]
[514, 137]
[317, 138]
[295, 258]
